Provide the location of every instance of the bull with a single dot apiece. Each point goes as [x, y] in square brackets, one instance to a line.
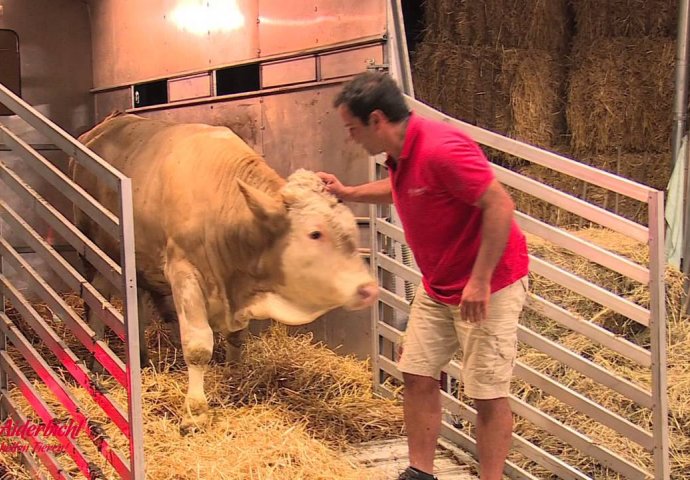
[221, 238]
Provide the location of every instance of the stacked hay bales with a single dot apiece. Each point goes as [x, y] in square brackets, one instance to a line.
[291, 409]
[619, 97]
[496, 64]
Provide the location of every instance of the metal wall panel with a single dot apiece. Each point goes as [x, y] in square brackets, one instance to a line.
[242, 116]
[55, 56]
[135, 40]
[291, 26]
[55, 62]
[195, 86]
[350, 62]
[298, 70]
[107, 102]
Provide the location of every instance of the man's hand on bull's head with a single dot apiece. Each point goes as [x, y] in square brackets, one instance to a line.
[333, 185]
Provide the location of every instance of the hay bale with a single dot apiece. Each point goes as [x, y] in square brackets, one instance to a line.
[494, 89]
[596, 19]
[531, 24]
[463, 82]
[620, 95]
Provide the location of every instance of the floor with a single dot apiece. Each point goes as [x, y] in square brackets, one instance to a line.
[390, 456]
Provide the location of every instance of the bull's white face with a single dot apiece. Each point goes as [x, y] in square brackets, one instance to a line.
[321, 266]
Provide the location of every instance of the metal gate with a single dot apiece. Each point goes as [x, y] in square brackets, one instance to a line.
[387, 237]
[72, 371]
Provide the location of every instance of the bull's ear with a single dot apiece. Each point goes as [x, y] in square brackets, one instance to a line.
[261, 205]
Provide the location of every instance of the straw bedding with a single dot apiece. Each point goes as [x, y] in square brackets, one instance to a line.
[292, 409]
[678, 371]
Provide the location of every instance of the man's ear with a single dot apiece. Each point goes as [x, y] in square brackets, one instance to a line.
[376, 117]
[261, 205]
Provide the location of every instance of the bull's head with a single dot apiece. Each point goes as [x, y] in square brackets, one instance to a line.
[320, 264]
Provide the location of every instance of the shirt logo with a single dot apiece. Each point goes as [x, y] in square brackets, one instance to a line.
[416, 192]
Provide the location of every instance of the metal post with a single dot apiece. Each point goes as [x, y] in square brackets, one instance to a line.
[3, 339]
[657, 326]
[400, 61]
[136, 440]
[680, 100]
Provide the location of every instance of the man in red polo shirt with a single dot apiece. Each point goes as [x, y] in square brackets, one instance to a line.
[458, 221]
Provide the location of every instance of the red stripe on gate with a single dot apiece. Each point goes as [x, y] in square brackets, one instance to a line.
[63, 396]
[47, 459]
[48, 417]
[78, 371]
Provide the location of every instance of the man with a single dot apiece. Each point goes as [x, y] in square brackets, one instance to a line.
[458, 221]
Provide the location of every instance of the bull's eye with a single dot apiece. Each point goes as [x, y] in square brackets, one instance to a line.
[315, 235]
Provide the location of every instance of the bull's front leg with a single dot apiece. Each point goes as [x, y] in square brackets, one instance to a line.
[196, 337]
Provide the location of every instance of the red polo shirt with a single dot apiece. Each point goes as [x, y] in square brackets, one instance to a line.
[440, 174]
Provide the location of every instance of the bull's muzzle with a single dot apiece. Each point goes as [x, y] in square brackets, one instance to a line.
[366, 296]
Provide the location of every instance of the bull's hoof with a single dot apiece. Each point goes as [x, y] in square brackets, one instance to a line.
[194, 424]
[195, 416]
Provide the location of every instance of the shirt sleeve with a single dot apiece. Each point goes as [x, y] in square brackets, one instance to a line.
[461, 169]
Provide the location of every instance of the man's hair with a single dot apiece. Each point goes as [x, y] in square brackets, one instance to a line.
[371, 91]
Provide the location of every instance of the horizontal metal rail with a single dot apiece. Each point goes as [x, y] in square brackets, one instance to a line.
[47, 458]
[590, 290]
[399, 269]
[537, 155]
[585, 405]
[590, 369]
[63, 227]
[80, 329]
[591, 330]
[572, 204]
[100, 307]
[53, 175]
[583, 248]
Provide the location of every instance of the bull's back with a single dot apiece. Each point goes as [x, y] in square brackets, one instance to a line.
[181, 176]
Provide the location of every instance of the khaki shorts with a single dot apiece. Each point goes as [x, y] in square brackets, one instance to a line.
[435, 332]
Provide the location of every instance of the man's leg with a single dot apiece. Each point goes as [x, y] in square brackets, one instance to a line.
[494, 430]
[422, 409]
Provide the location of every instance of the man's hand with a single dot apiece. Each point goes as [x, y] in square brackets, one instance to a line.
[333, 185]
[475, 300]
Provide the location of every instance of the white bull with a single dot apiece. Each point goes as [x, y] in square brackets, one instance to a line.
[224, 235]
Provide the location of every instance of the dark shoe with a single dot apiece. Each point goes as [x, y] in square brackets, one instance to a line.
[414, 474]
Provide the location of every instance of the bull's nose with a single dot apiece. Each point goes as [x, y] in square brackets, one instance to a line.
[368, 293]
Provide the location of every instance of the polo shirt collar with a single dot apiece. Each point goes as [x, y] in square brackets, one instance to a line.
[410, 137]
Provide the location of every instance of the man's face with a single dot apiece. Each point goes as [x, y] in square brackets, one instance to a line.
[363, 134]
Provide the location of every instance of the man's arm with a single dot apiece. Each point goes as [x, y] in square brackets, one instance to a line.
[497, 217]
[378, 191]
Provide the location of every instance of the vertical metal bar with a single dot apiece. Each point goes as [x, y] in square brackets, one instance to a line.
[374, 264]
[136, 440]
[3, 338]
[680, 99]
[400, 62]
[657, 327]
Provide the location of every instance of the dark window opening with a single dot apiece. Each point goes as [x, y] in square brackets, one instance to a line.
[413, 16]
[151, 93]
[10, 68]
[238, 79]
